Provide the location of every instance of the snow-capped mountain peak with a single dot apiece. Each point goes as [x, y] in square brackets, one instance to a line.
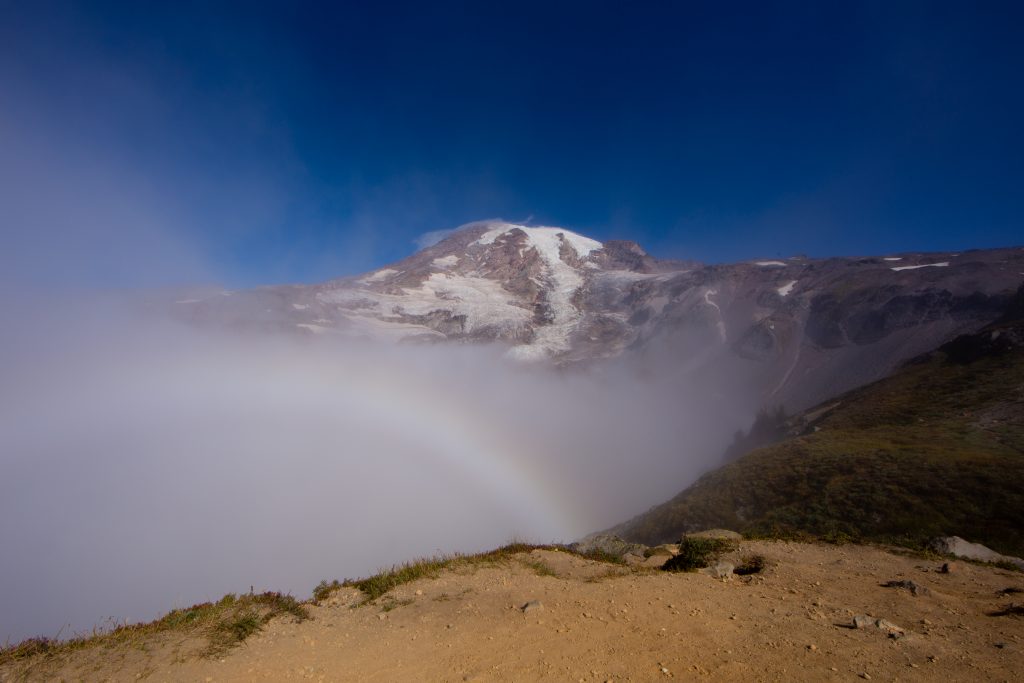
[798, 326]
[547, 241]
[495, 281]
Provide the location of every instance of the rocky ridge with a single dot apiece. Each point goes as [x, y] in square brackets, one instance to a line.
[793, 331]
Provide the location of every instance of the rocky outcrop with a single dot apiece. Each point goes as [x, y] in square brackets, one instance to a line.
[607, 544]
[958, 547]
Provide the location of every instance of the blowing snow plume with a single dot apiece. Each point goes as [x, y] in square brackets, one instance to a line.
[149, 465]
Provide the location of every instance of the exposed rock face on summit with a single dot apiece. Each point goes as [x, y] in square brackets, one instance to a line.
[797, 330]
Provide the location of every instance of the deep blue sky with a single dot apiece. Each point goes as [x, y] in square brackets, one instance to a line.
[297, 142]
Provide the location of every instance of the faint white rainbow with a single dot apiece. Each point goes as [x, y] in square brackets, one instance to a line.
[464, 438]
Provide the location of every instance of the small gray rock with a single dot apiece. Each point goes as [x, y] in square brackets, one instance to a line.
[863, 621]
[532, 606]
[889, 628]
[607, 543]
[722, 570]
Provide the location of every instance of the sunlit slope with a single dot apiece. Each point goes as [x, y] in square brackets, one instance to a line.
[935, 449]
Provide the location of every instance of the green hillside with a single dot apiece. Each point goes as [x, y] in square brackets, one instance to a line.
[935, 449]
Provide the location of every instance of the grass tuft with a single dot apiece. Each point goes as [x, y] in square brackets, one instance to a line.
[598, 555]
[28, 648]
[381, 583]
[540, 568]
[324, 589]
[224, 624]
[233, 630]
[389, 603]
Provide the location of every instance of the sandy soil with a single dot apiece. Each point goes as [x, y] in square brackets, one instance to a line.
[599, 622]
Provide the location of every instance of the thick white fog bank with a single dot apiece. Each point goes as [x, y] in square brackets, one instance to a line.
[148, 466]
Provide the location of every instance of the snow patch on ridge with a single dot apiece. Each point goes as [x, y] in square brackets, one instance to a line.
[628, 275]
[483, 302]
[381, 274]
[445, 261]
[721, 323]
[785, 289]
[923, 265]
[765, 264]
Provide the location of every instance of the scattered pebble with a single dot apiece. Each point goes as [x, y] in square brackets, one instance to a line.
[862, 621]
[914, 588]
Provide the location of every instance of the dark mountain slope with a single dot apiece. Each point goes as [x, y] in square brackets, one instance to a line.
[935, 449]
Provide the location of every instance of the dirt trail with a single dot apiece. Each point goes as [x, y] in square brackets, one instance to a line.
[599, 622]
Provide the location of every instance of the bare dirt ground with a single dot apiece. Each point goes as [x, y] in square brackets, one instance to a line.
[601, 622]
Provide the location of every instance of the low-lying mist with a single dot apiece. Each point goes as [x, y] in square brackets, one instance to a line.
[148, 465]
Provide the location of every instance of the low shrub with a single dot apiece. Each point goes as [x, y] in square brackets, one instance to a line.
[752, 564]
[697, 553]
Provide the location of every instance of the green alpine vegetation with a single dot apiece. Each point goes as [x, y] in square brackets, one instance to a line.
[935, 449]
